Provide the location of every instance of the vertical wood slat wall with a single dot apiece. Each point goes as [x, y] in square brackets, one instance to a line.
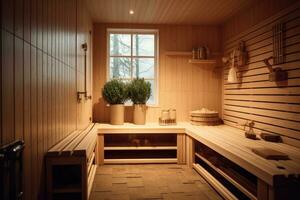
[182, 85]
[41, 71]
[275, 107]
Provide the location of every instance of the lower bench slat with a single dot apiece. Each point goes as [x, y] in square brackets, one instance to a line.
[223, 191]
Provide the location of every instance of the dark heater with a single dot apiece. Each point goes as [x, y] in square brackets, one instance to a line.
[11, 171]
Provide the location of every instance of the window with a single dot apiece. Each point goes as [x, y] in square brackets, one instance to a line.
[133, 54]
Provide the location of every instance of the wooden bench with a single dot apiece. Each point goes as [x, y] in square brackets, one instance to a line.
[71, 166]
[255, 177]
[166, 144]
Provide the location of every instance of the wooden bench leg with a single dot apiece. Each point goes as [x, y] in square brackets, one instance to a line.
[190, 151]
[181, 149]
[264, 191]
[49, 176]
[100, 150]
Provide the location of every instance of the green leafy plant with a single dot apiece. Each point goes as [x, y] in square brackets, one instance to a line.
[139, 91]
[115, 92]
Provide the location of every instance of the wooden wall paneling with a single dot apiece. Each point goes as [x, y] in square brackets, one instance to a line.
[19, 88]
[65, 99]
[61, 32]
[40, 24]
[27, 123]
[7, 12]
[68, 100]
[64, 125]
[58, 106]
[34, 119]
[38, 82]
[60, 100]
[45, 101]
[73, 99]
[45, 25]
[56, 14]
[53, 113]
[259, 12]
[262, 34]
[1, 114]
[8, 128]
[19, 18]
[55, 99]
[33, 22]
[53, 71]
[50, 24]
[67, 33]
[273, 106]
[40, 123]
[27, 18]
[50, 102]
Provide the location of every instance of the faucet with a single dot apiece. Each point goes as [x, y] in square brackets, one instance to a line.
[250, 133]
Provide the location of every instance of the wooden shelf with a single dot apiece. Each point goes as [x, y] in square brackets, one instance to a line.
[219, 187]
[178, 53]
[198, 61]
[187, 53]
[142, 148]
[192, 61]
[141, 160]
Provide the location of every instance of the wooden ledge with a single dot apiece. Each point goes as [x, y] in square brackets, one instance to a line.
[136, 129]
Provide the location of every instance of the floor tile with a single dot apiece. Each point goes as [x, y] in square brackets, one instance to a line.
[150, 182]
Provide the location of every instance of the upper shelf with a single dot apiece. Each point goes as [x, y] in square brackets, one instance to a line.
[178, 53]
[199, 61]
[186, 53]
[193, 61]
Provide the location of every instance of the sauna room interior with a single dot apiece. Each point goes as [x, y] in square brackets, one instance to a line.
[150, 99]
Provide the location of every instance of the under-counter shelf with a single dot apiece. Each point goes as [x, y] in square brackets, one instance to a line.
[142, 148]
[141, 161]
[237, 180]
[227, 177]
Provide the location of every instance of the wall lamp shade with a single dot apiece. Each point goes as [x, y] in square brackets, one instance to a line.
[232, 75]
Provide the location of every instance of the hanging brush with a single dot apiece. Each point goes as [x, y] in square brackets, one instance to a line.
[232, 75]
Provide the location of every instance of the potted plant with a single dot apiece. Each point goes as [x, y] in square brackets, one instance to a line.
[139, 92]
[114, 92]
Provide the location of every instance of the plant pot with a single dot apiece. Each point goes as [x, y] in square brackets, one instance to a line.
[117, 114]
[139, 114]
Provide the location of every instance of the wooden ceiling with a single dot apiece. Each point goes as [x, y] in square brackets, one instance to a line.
[205, 12]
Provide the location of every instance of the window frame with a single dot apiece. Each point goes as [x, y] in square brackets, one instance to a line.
[155, 32]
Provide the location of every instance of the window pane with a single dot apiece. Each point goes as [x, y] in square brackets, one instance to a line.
[143, 44]
[120, 68]
[152, 98]
[120, 44]
[143, 67]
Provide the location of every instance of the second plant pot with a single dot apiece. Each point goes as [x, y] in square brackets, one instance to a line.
[139, 114]
[117, 114]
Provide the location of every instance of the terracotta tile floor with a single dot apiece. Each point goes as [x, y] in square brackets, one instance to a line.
[163, 181]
